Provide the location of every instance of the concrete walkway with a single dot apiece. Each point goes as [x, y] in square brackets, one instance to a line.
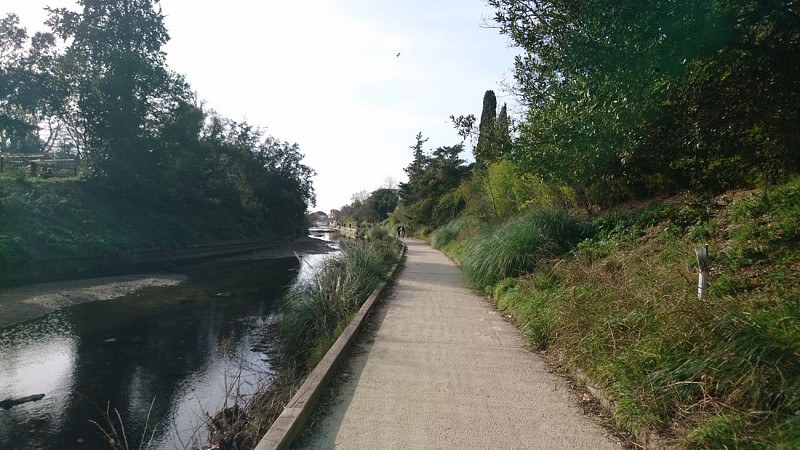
[446, 371]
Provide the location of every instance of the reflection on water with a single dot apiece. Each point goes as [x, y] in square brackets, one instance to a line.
[43, 361]
[188, 346]
[309, 265]
[311, 262]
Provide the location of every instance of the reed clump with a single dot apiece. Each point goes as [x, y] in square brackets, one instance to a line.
[316, 312]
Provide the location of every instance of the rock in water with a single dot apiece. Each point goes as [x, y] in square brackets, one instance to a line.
[12, 402]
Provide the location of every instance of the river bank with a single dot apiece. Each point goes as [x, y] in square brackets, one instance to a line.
[177, 347]
[26, 302]
[61, 229]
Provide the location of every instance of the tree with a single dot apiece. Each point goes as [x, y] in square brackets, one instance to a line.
[382, 202]
[408, 193]
[484, 150]
[492, 138]
[639, 94]
[115, 73]
[425, 197]
[372, 206]
[279, 180]
[502, 135]
[389, 183]
[26, 88]
[14, 126]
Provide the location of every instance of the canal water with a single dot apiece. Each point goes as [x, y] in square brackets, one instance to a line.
[162, 358]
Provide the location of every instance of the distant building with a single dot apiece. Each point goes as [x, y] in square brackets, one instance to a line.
[333, 217]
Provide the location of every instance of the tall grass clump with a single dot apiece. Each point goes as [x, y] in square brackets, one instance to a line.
[316, 311]
[451, 237]
[444, 235]
[516, 247]
[385, 231]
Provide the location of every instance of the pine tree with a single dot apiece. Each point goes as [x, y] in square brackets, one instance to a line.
[408, 191]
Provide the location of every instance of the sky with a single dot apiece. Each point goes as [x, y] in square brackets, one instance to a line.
[327, 76]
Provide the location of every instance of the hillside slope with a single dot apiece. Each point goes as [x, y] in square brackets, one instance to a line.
[621, 306]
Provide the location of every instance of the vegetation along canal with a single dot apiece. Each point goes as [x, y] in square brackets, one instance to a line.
[180, 352]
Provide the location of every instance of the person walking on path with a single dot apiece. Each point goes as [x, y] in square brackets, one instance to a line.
[445, 370]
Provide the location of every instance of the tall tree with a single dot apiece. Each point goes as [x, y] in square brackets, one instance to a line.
[26, 88]
[484, 150]
[492, 138]
[431, 178]
[641, 92]
[372, 206]
[408, 191]
[502, 141]
[383, 201]
[115, 72]
[13, 124]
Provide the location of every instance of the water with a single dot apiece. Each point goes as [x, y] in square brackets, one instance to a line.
[190, 347]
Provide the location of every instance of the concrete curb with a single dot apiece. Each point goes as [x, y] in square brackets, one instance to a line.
[294, 416]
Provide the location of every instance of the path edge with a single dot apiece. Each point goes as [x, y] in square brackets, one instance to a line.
[295, 414]
[646, 438]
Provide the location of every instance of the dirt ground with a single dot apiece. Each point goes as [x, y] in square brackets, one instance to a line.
[26, 302]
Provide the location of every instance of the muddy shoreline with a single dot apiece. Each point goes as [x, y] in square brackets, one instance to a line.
[27, 302]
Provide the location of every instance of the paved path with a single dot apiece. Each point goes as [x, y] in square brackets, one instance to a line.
[446, 371]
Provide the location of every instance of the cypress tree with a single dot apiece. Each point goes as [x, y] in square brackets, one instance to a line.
[486, 128]
[503, 144]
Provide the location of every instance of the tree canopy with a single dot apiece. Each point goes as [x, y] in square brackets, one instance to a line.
[97, 86]
[428, 196]
[644, 95]
[371, 207]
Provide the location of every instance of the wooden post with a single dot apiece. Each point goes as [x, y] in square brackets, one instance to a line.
[703, 264]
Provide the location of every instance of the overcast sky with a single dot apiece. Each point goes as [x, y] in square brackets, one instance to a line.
[326, 75]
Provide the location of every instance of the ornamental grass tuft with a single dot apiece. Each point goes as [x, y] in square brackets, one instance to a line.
[317, 310]
[515, 248]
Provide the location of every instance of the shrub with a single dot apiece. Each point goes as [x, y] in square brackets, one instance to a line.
[516, 247]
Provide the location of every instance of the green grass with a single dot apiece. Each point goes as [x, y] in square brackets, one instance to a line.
[622, 307]
[316, 312]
